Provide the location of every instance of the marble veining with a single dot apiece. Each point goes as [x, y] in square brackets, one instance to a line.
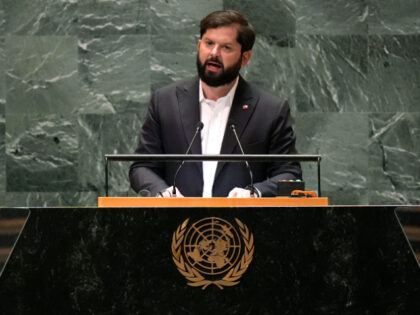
[82, 71]
[42, 155]
[394, 17]
[47, 17]
[271, 19]
[332, 17]
[395, 156]
[113, 17]
[343, 136]
[331, 73]
[118, 68]
[96, 140]
[394, 79]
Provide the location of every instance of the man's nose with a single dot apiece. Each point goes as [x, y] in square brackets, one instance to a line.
[215, 51]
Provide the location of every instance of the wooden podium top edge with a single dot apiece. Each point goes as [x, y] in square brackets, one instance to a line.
[142, 202]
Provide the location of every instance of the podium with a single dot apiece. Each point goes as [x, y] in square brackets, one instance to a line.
[209, 202]
[312, 259]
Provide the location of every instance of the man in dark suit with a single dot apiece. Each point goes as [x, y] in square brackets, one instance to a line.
[219, 97]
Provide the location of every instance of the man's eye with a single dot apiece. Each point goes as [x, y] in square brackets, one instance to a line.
[226, 47]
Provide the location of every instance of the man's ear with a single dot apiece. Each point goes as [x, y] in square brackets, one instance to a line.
[246, 56]
[198, 44]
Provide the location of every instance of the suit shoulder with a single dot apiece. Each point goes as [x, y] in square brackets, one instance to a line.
[172, 87]
[266, 97]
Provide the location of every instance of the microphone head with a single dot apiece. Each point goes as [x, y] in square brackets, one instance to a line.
[231, 124]
[200, 125]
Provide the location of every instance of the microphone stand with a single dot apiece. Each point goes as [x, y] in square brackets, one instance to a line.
[200, 126]
[251, 186]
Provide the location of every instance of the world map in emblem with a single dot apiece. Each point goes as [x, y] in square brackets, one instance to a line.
[212, 251]
[212, 246]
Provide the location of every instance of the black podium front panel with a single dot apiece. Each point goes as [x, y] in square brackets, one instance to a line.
[320, 260]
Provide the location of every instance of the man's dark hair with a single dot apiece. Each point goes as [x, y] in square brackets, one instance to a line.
[246, 33]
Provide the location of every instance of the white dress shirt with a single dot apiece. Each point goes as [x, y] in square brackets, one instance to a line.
[214, 115]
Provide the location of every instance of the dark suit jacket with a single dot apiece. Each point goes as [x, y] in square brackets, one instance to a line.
[264, 127]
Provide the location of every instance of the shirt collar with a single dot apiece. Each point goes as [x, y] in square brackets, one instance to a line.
[228, 97]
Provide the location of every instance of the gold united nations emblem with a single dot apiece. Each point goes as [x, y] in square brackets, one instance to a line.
[212, 251]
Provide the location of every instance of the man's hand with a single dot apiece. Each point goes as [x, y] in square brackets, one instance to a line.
[241, 193]
[167, 193]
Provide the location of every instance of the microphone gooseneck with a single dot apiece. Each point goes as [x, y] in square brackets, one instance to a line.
[251, 186]
[200, 126]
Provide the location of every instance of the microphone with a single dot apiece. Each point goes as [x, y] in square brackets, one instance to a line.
[251, 186]
[200, 126]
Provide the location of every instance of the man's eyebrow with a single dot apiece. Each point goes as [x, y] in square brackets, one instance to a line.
[222, 43]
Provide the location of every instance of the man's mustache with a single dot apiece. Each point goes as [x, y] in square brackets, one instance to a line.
[214, 62]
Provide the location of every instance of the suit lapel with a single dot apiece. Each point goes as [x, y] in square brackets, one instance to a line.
[243, 106]
[189, 109]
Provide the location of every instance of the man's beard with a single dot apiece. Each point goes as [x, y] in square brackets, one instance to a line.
[218, 79]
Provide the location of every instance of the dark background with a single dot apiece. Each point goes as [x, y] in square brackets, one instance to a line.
[316, 260]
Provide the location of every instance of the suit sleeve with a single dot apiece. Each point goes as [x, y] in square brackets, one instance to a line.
[149, 175]
[282, 141]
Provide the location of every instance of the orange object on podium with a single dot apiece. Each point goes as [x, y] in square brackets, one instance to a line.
[139, 202]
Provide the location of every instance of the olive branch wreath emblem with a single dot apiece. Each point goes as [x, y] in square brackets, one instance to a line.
[195, 278]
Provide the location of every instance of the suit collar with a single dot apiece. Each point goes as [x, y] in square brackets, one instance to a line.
[187, 93]
[241, 110]
[243, 107]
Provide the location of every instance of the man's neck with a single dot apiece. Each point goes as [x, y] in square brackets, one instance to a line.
[214, 93]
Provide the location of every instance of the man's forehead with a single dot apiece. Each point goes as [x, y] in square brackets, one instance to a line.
[228, 32]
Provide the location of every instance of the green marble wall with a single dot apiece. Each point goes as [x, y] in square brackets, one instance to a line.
[76, 77]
